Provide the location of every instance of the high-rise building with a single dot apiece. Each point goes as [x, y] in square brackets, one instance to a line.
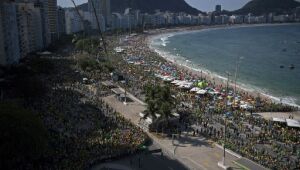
[43, 6]
[73, 21]
[52, 19]
[61, 21]
[102, 8]
[29, 27]
[218, 9]
[10, 33]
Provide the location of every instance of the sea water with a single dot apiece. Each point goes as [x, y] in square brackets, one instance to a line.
[259, 56]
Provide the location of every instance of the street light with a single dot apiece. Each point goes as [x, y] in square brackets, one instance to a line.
[222, 163]
[238, 62]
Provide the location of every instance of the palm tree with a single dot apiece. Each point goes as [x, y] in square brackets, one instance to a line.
[151, 101]
[166, 112]
[151, 110]
[159, 101]
[165, 94]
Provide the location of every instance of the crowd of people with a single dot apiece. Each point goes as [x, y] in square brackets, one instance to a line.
[272, 144]
[82, 129]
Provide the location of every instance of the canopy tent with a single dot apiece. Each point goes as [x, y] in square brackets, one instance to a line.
[176, 114]
[201, 91]
[202, 84]
[195, 89]
[175, 81]
[167, 78]
[246, 106]
[293, 123]
[142, 115]
[275, 119]
[212, 92]
[184, 84]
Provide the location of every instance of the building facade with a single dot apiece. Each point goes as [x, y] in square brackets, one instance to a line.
[29, 28]
[73, 21]
[103, 11]
[52, 19]
[218, 9]
[10, 33]
[61, 21]
[43, 5]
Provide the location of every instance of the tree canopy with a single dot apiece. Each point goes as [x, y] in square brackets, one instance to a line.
[159, 101]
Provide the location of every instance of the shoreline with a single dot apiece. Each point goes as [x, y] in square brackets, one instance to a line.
[207, 74]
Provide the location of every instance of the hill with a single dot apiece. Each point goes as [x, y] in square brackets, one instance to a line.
[259, 7]
[149, 6]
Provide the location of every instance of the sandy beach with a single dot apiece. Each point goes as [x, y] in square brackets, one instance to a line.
[210, 77]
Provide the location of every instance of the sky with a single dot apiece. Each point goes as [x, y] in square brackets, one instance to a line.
[209, 5]
[203, 5]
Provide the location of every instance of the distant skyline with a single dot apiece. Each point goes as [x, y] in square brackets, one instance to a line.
[203, 5]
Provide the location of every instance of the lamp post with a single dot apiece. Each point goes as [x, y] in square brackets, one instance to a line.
[222, 163]
[125, 93]
[238, 62]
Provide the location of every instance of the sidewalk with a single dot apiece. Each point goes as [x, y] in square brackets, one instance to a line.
[194, 152]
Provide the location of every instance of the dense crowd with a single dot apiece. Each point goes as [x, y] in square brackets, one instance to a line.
[83, 130]
[271, 144]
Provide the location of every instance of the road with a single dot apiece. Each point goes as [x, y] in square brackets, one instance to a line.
[154, 161]
[194, 152]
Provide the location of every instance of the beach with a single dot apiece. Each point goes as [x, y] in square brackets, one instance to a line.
[185, 64]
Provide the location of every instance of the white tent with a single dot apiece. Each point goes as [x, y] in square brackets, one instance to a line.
[213, 92]
[275, 119]
[195, 89]
[149, 120]
[179, 83]
[175, 81]
[176, 114]
[201, 91]
[141, 114]
[293, 123]
[167, 78]
[246, 106]
[184, 84]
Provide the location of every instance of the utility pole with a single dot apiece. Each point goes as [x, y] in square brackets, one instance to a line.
[99, 28]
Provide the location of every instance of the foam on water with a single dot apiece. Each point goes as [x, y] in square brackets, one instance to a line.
[157, 41]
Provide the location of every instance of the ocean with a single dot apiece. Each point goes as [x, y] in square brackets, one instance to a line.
[262, 56]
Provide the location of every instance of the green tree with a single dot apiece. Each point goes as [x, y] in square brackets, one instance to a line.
[151, 101]
[160, 102]
[166, 112]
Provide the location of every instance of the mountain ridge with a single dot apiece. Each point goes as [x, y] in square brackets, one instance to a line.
[259, 7]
